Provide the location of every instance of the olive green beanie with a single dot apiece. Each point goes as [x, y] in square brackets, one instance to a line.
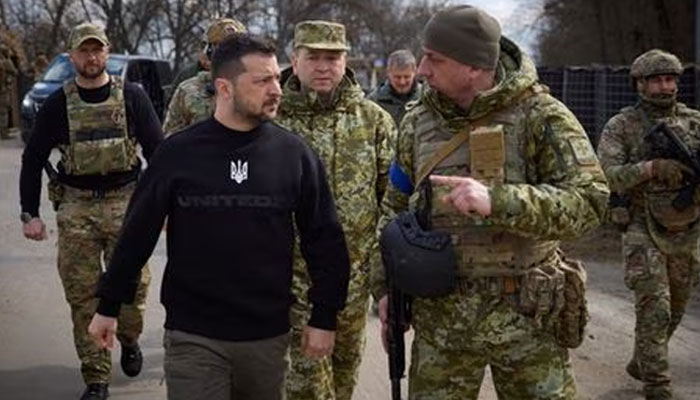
[465, 34]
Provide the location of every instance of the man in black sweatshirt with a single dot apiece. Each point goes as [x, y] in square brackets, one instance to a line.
[96, 122]
[234, 188]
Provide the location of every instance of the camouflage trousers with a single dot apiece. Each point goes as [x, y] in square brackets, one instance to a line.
[457, 336]
[334, 377]
[4, 114]
[662, 284]
[87, 233]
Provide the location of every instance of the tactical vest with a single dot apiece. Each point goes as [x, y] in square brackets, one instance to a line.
[493, 153]
[99, 142]
[655, 198]
[202, 102]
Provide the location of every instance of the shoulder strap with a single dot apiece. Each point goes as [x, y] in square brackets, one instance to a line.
[441, 154]
[463, 136]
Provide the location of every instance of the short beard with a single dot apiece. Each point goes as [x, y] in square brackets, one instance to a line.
[83, 72]
[662, 100]
[242, 109]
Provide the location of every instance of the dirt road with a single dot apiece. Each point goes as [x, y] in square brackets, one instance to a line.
[37, 360]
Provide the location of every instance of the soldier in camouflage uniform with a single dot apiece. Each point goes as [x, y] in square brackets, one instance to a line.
[41, 62]
[523, 177]
[95, 121]
[193, 100]
[401, 85]
[7, 73]
[323, 103]
[660, 243]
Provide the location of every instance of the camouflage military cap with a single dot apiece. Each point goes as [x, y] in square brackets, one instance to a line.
[655, 62]
[86, 31]
[221, 28]
[322, 35]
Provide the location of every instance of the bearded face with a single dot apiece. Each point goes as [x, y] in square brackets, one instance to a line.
[659, 89]
[90, 59]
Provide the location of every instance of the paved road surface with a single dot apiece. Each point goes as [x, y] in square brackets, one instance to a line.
[37, 360]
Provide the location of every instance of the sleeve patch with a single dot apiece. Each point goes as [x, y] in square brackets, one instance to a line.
[583, 151]
[399, 179]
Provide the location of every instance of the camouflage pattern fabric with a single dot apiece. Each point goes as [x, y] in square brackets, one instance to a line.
[7, 73]
[393, 103]
[88, 229]
[85, 31]
[323, 35]
[221, 28]
[551, 188]
[99, 141]
[663, 283]
[655, 62]
[187, 72]
[39, 66]
[660, 246]
[193, 101]
[459, 335]
[354, 138]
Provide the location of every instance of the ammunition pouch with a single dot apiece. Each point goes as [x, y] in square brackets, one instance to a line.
[100, 157]
[423, 262]
[554, 296]
[570, 326]
[542, 294]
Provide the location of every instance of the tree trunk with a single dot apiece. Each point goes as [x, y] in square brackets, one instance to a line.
[664, 22]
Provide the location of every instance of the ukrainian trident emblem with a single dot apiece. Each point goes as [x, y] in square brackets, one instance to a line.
[239, 171]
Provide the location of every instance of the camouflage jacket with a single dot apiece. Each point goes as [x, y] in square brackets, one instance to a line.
[354, 138]
[622, 152]
[552, 186]
[392, 102]
[193, 101]
[7, 71]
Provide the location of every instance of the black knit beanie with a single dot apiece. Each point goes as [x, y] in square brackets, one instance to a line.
[465, 34]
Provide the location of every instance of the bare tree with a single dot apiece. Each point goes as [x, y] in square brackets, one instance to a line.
[613, 32]
[55, 9]
[173, 28]
[126, 22]
[3, 19]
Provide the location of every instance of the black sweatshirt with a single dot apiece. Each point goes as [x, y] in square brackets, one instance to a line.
[232, 200]
[51, 129]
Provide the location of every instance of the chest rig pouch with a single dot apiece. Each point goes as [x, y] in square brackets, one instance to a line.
[99, 143]
[490, 151]
[421, 262]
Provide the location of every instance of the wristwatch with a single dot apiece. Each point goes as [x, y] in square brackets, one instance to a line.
[26, 217]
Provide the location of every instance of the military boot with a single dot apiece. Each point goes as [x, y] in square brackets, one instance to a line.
[633, 369]
[131, 359]
[95, 391]
[658, 393]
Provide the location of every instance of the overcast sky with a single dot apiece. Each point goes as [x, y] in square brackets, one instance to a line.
[501, 9]
[514, 26]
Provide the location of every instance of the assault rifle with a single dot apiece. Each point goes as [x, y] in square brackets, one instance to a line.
[619, 200]
[399, 318]
[664, 143]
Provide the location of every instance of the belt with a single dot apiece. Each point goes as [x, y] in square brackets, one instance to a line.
[504, 285]
[98, 194]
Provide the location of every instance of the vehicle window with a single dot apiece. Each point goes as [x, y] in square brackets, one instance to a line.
[133, 71]
[164, 72]
[61, 68]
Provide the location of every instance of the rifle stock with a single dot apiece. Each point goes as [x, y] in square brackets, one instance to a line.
[399, 317]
